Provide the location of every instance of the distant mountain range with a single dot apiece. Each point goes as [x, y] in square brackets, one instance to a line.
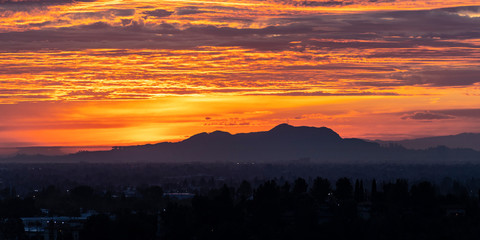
[463, 140]
[282, 144]
[48, 150]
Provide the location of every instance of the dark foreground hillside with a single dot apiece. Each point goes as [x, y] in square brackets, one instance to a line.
[296, 211]
[275, 209]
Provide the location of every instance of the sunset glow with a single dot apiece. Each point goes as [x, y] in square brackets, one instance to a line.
[96, 73]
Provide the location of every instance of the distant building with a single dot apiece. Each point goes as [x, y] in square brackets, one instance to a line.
[130, 192]
[455, 211]
[179, 196]
[364, 210]
[54, 228]
[324, 214]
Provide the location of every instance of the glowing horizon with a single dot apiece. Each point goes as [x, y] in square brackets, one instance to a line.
[96, 73]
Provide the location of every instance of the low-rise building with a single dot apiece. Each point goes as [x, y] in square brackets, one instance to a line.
[53, 228]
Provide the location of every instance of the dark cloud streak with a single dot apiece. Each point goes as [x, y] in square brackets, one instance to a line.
[444, 114]
[361, 31]
[158, 13]
[427, 115]
[441, 77]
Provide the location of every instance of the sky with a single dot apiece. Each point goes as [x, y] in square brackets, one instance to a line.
[118, 72]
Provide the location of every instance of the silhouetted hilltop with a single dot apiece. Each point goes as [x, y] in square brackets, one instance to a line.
[463, 140]
[281, 135]
[282, 144]
[213, 136]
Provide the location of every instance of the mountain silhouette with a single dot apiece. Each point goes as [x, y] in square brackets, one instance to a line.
[463, 140]
[282, 144]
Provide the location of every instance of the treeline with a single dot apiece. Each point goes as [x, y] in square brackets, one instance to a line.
[345, 211]
[275, 209]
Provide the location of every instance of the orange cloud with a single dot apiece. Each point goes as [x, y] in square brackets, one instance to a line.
[122, 72]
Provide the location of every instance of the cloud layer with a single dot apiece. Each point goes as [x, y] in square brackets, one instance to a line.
[423, 56]
[301, 51]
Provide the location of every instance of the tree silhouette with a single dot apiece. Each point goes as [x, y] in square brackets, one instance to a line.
[374, 189]
[344, 189]
[320, 189]
[359, 193]
[244, 190]
[396, 192]
[97, 227]
[300, 186]
[423, 197]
